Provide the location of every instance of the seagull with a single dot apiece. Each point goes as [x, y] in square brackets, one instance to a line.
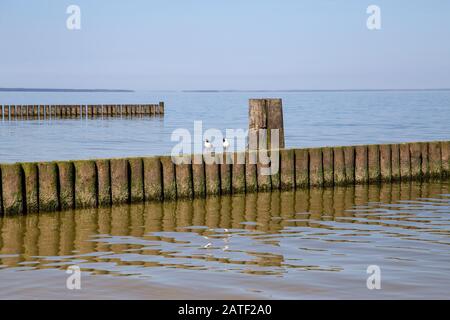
[208, 145]
[226, 144]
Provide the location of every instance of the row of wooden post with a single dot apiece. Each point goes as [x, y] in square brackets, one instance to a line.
[76, 111]
[51, 186]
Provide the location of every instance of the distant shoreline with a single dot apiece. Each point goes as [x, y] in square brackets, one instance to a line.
[61, 90]
[313, 90]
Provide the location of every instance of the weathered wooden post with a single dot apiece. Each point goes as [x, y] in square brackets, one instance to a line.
[265, 114]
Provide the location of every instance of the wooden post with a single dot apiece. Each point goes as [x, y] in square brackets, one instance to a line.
[361, 164]
[12, 187]
[385, 162]
[315, 167]
[265, 114]
[339, 166]
[183, 173]
[119, 181]
[153, 179]
[48, 186]
[66, 174]
[287, 169]
[103, 182]
[85, 184]
[31, 186]
[301, 168]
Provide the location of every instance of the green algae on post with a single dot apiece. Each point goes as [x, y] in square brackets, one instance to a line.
[315, 167]
[48, 186]
[66, 178]
[119, 181]
[12, 196]
[136, 179]
[31, 186]
[183, 175]
[238, 172]
[301, 168]
[152, 179]
[198, 176]
[169, 179]
[103, 182]
[85, 184]
[287, 169]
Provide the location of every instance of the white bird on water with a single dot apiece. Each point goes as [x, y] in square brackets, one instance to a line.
[225, 144]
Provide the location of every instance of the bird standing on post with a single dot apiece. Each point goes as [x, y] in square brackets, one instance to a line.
[208, 146]
[225, 144]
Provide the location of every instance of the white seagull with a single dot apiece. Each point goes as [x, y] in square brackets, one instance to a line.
[208, 145]
[226, 144]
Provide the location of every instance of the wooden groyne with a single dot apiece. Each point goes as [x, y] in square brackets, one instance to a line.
[22, 112]
[52, 186]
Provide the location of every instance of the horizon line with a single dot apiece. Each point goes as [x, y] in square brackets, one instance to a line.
[23, 89]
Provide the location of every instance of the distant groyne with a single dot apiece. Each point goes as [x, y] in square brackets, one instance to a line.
[62, 185]
[23, 112]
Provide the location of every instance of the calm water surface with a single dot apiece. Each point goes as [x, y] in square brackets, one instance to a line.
[303, 244]
[311, 119]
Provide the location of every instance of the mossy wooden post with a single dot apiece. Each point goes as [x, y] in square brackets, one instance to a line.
[85, 184]
[361, 165]
[198, 176]
[136, 180]
[301, 168]
[275, 175]
[153, 188]
[1, 198]
[339, 166]
[315, 167]
[416, 160]
[425, 160]
[12, 189]
[445, 150]
[395, 167]
[238, 172]
[183, 175]
[119, 181]
[287, 169]
[374, 163]
[405, 162]
[327, 160]
[251, 179]
[66, 177]
[212, 176]
[169, 178]
[103, 182]
[48, 186]
[349, 158]
[435, 159]
[225, 173]
[275, 121]
[31, 186]
[385, 162]
[263, 171]
[161, 107]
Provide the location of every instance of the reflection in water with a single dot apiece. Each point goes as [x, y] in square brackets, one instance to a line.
[402, 227]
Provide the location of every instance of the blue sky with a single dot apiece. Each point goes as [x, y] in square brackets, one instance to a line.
[225, 44]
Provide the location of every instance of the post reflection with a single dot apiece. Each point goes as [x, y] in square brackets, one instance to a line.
[223, 230]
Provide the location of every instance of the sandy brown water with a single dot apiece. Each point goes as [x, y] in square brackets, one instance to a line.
[292, 245]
